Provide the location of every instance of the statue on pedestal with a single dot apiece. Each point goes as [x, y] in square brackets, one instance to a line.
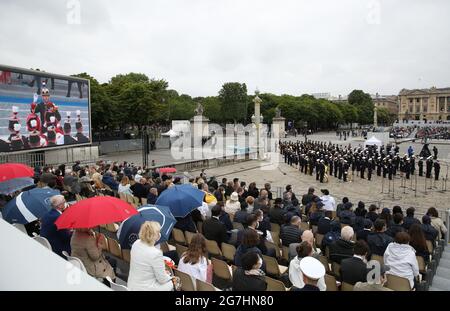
[277, 112]
[199, 110]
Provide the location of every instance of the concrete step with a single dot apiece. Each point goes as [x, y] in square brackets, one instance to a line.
[446, 255]
[443, 272]
[441, 283]
[445, 263]
[435, 289]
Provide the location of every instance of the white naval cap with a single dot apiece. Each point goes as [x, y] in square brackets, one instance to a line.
[312, 268]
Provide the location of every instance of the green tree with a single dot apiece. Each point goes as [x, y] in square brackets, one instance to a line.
[364, 105]
[385, 117]
[234, 101]
[103, 108]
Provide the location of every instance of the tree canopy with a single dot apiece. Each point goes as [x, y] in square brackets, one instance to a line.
[135, 100]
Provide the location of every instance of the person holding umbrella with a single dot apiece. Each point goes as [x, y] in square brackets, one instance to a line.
[88, 249]
[58, 239]
[147, 270]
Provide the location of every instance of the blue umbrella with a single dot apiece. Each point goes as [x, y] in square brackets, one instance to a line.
[28, 206]
[128, 231]
[181, 199]
[15, 184]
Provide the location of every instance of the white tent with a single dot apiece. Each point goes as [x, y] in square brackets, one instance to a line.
[373, 141]
[170, 133]
[27, 265]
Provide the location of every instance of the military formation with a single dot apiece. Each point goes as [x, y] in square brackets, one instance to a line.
[345, 163]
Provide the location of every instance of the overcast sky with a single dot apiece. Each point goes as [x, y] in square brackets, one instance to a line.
[291, 47]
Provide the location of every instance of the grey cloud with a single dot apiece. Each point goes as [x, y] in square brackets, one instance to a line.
[280, 46]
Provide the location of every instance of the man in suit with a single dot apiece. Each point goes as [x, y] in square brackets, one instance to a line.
[379, 240]
[354, 269]
[213, 228]
[324, 224]
[291, 233]
[409, 220]
[58, 239]
[343, 247]
[397, 226]
[276, 214]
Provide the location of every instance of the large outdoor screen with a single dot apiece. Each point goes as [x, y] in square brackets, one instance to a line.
[40, 110]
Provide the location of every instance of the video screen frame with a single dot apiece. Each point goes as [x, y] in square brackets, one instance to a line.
[50, 76]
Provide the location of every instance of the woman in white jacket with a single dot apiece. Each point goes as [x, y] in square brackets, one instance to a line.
[401, 258]
[295, 274]
[147, 269]
[124, 186]
[194, 261]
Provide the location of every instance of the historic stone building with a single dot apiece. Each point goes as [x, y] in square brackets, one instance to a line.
[390, 102]
[425, 104]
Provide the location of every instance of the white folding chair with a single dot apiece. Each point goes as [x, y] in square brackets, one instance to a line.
[21, 228]
[43, 241]
[116, 287]
[75, 261]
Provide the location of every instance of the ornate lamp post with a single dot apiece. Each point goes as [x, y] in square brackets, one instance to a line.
[257, 118]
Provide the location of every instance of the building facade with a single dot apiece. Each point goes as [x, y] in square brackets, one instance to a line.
[431, 104]
[390, 102]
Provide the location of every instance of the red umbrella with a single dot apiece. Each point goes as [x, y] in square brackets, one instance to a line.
[93, 212]
[14, 170]
[168, 170]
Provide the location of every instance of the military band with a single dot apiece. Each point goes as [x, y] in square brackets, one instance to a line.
[327, 160]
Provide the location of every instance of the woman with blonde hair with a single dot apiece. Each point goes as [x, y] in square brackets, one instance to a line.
[124, 186]
[147, 269]
[98, 184]
[194, 261]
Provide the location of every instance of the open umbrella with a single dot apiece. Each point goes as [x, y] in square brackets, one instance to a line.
[15, 184]
[14, 170]
[29, 205]
[93, 212]
[167, 170]
[182, 199]
[128, 231]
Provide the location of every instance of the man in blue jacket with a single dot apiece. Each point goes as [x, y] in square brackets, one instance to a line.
[58, 239]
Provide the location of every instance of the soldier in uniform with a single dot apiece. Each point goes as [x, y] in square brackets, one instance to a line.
[407, 167]
[369, 169]
[345, 170]
[391, 169]
[437, 169]
[420, 164]
[379, 166]
[429, 166]
[363, 165]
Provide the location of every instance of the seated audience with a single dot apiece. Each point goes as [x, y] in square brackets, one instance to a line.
[304, 249]
[195, 260]
[249, 276]
[147, 267]
[354, 269]
[58, 239]
[401, 258]
[343, 247]
[378, 240]
[88, 249]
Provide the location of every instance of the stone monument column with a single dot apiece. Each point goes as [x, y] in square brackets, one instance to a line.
[278, 125]
[199, 130]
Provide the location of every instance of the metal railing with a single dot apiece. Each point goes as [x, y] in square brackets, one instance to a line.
[31, 159]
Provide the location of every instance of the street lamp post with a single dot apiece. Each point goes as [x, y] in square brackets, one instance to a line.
[257, 118]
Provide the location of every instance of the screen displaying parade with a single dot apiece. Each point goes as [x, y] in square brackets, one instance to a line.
[39, 111]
